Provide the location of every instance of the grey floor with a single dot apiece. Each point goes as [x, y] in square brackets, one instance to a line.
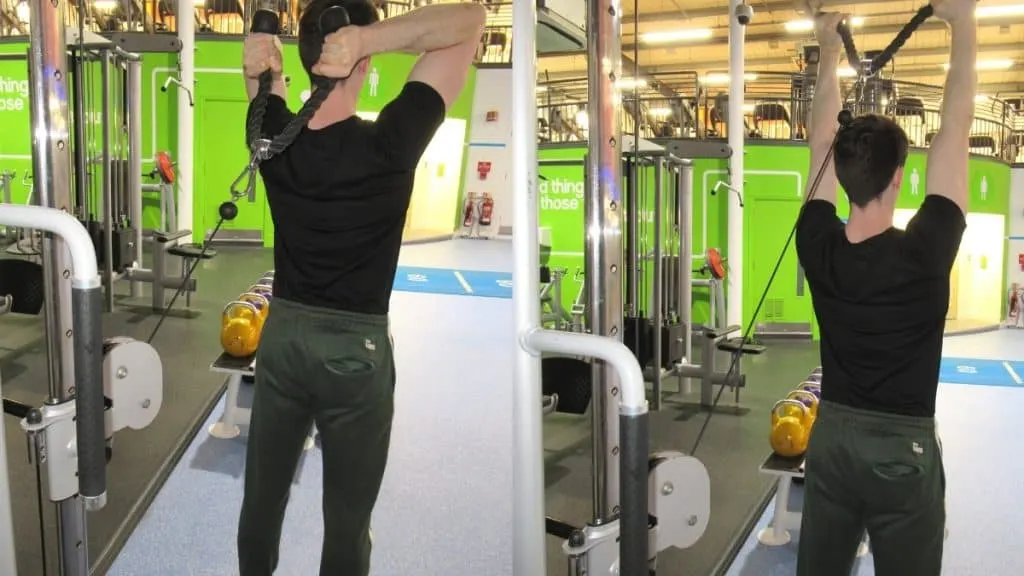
[445, 505]
[186, 347]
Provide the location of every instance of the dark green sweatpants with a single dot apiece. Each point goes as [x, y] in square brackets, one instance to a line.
[874, 472]
[336, 369]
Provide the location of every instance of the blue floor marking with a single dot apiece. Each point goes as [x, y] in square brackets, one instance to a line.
[981, 372]
[454, 282]
[428, 280]
[489, 284]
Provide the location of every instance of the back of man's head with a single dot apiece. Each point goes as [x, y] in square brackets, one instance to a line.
[868, 153]
[311, 39]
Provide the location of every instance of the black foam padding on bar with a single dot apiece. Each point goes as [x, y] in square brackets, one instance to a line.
[633, 515]
[265, 22]
[87, 307]
[333, 19]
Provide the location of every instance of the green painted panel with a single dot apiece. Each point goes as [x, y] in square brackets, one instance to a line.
[220, 107]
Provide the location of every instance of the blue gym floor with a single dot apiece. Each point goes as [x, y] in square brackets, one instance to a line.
[445, 508]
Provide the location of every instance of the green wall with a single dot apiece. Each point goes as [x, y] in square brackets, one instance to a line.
[775, 178]
[220, 107]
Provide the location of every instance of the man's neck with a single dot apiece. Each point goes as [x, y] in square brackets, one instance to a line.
[339, 106]
[868, 222]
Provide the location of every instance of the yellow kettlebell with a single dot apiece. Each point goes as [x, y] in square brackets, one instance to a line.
[809, 400]
[241, 325]
[261, 302]
[789, 433]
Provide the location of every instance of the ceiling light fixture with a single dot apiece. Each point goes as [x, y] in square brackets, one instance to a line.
[669, 36]
[808, 25]
[630, 83]
[999, 11]
[997, 64]
[724, 78]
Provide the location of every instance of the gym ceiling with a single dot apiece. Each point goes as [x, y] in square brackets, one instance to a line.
[678, 36]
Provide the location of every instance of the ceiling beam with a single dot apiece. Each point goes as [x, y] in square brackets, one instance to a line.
[788, 58]
[892, 29]
[759, 8]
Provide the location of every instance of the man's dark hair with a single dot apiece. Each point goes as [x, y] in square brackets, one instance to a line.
[311, 39]
[868, 152]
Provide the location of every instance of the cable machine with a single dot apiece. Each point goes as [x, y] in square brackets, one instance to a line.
[97, 386]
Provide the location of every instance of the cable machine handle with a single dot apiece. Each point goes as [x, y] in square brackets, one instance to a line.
[843, 29]
[264, 21]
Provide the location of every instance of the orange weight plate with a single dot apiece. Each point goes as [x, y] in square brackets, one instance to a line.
[165, 166]
[715, 263]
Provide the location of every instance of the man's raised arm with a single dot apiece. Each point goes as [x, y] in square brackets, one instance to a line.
[262, 52]
[826, 106]
[947, 156]
[447, 36]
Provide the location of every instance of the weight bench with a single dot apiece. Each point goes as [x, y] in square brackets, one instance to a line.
[712, 340]
[166, 244]
[786, 470]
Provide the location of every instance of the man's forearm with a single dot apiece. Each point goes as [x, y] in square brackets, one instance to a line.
[426, 29]
[824, 123]
[961, 81]
[826, 105]
[252, 85]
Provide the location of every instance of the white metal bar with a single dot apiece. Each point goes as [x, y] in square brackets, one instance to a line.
[734, 234]
[84, 271]
[633, 396]
[186, 117]
[529, 552]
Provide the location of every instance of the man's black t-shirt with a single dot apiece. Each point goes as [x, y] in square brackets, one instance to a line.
[338, 198]
[881, 305]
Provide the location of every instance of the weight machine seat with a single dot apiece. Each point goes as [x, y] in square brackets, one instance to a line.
[191, 251]
[715, 333]
[737, 344]
[165, 237]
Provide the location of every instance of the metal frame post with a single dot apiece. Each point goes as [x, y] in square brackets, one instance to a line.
[603, 229]
[529, 547]
[685, 207]
[51, 167]
[8, 561]
[736, 136]
[135, 161]
[186, 120]
[657, 283]
[107, 201]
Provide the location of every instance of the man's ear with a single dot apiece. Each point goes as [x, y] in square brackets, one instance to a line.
[363, 65]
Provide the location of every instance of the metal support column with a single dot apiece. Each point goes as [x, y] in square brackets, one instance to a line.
[529, 556]
[736, 133]
[135, 162]
[685, 207]
[603, 226]
[632, 301]
[658, 282]
[107, 201]
[51, 167]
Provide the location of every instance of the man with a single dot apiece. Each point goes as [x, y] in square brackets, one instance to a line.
[881, 297]
[338, 196]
